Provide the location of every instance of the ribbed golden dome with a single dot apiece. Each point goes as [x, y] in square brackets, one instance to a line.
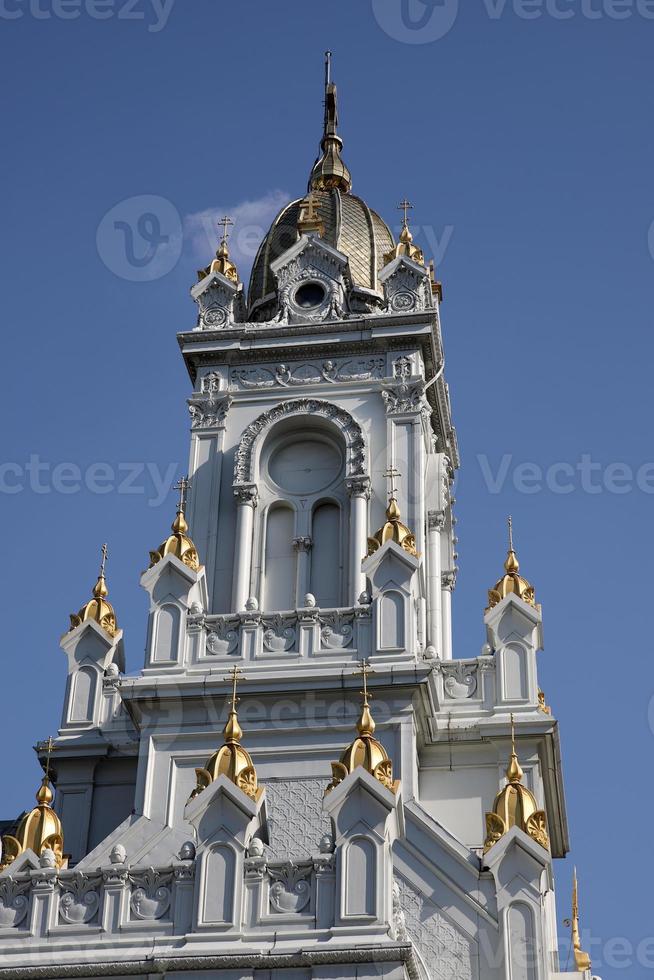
[99, 609]
[365, 750]
[178, 543]
[405, 244]
[222, 262]
[515, 806]
[231, 759]
[393, 530]
[38, 830]
[511, 583]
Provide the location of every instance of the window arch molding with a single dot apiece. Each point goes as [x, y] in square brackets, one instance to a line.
[248, 452]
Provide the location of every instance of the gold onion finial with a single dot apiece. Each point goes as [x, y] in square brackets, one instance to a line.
[40, 829]
[222, 262]
[231, 759]
[393, 529]
[511, 582]
[405, 244]
[515, 806]
[365, 750]
[582, 959]
[178, 543]
[99, 609]
[329, 171]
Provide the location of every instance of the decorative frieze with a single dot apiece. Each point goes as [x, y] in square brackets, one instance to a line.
[305, 373]
[79, 900]
[151, 894]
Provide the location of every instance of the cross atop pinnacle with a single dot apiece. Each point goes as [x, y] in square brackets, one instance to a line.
[226, 222]
[103, 562]
[364, 669]
[183, 484]
[392, 474]
[405, 206]
[234, 675]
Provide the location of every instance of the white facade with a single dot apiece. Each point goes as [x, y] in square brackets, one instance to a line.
[296, 419]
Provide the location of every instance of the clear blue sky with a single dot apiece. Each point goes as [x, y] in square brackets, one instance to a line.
[526, 146]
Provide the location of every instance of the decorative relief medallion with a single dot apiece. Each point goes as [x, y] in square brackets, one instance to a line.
[459, 679]
[403, 301]
[223, 637]
[151, 894]
[213, 317]
[355, 445]
[290, 890]
[14, 902]
[80, 899]
[337, 630]
[279, 633]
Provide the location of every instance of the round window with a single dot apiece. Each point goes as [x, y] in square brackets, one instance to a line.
[309, 295]
[305, 465]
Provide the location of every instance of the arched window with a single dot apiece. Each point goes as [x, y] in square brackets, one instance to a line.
[326, 565]
[279, 559]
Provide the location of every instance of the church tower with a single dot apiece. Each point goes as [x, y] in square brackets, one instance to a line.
[302, 782]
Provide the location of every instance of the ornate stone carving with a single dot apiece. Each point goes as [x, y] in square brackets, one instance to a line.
[208, 412]
[303, 544]
[14, 902]
[436, 520]
[447, 953]
[223, 635]
[351, 431]
[80, 899]
[399, 931]
[210, 383]
[279, 633]
[359, 486]
[247, 494]
[403, 368]
[459, 679]
[405, 398]
[448, 579]
[290, 890]
[151, 894]
[303, 373]
[296, 817]
[337, 630]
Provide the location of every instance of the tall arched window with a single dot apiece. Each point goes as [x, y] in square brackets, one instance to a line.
[326, 565]
[279, 559]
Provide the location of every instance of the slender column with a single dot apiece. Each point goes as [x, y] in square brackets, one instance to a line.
[303, 548]
[359, 490]
[246, 501]
[448, 580]
[435, 524]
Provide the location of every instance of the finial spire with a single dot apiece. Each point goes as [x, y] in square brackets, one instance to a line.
[514, 771]
[392, 474]
[179, 543]
[98, 607]
[222, 262]
[405, 244]
[100, 590]
[329, 172]
[232, 730]
[40, 829]
[582, 959]
[511, 581]
[366, 724]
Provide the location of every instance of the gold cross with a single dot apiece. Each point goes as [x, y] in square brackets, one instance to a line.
[405, 206]
[103, 562]
[392, 474]
[234, 676]
[510, 522]
[365, 669]
[182, 485]
[225, 221]
[49, 748]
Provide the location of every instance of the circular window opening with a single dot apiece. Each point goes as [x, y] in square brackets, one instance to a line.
[305, 465]
[310, 294]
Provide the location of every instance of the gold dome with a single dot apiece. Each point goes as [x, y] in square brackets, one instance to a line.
[405, 244]
[515, 806]
[393, 530]
[231, 759]
[178, 543]
[98, 608]
[222, 262]
[511, 583]
[365, 750]
[38, 830]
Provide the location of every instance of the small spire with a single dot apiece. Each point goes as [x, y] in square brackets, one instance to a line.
[582, 959]
[329, 171]
[393, 529]
[40, 829]
[405, 244]
[222, 262]
[511, 582]
[179, 543]
[98, 608]
[366, 723]
[231, 759]
[514, 771]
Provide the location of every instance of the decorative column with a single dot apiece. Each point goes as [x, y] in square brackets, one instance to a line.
[246, 501]
[358, 489]
[448, 581]
[302, 548]
[435, 524]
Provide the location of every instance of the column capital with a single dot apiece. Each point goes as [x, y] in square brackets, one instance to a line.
[246, 494]
[448, 579]
[303, 544]
[436, 520]
[359, 486]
